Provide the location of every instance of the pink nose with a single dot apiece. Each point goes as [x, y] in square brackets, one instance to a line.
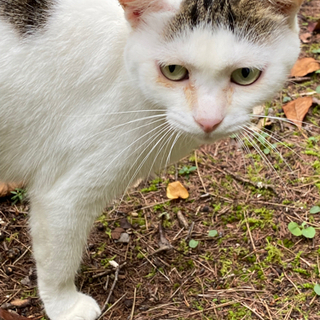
[208, 125]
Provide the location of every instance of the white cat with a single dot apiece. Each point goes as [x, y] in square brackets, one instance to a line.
[95, 94]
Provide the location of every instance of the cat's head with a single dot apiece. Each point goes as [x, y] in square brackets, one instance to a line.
[209, 62]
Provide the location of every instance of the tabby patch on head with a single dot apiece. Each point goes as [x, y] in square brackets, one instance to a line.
[254, 19]
[26, 16]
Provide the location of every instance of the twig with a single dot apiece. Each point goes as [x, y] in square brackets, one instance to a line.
[196, 161]
[249, 231]
[28, 249]
[214, 307]
[134, 303]
[155, 266]
[305, 261]
[116, 275]
[255, 312]
[104, 312]
[292, 283]
[258, 185]
[190, 232]
[288, 314]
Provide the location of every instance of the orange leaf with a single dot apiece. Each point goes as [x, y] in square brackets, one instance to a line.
[297, 109]
[304, 66]
[176, 190]
[6, 188]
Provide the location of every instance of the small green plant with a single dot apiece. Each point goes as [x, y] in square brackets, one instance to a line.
[316, 289]
[302, 230]
[19, 195]
[193, 243]
[213, 233]
[185, 171]
[314, 210]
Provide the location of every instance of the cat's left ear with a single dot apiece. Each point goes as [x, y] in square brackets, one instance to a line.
[135, 9]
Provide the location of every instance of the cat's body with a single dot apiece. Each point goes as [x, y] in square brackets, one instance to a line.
[85, 109]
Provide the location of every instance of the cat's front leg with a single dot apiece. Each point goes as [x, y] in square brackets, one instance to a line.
[59, 231]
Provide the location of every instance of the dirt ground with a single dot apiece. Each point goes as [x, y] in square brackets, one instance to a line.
[225, 252]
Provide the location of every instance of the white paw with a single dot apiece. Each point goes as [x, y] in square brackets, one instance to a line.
[77, 307]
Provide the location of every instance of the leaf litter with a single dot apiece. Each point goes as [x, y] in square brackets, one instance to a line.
[246, 264]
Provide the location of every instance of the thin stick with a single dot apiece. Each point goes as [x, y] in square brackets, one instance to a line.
[155, 266]
[292, 283]
[105, 312]
[134, 303]
[255, 312]
[105, 306]
[249, 231]
[196, 161]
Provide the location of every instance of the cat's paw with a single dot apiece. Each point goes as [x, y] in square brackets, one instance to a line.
[84, 308]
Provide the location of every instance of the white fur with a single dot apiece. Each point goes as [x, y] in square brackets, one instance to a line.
[82, 116]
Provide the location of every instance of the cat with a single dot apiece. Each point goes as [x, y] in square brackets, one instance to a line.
[97, 94]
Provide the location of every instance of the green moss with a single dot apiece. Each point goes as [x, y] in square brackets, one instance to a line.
[302, 271]
[239, 312]
[274, 254]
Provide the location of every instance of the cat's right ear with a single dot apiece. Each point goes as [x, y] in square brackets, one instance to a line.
[288, 7]
[135, 9]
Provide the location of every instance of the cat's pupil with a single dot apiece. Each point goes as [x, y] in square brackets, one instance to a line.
[245, 72]
[172, 68]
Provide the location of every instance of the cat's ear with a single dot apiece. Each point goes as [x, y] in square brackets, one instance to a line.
[287, 7]
[135, 9]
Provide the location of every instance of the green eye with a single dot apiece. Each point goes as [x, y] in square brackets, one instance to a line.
[175, 72]
[245, 76]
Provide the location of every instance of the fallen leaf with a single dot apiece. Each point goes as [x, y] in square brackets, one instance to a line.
[116, 233]
[6, 315]
[297, 109]
[176, 190]
[6, 188]
[306, 37]
[124, 223]
[304, 66]
[21, 303]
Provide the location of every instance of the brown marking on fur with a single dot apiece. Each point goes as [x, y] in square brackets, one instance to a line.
[229, 90]
[165, 82]
[190, 93]
[255, 19]
[26, 16]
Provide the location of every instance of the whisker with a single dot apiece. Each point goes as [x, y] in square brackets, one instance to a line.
[264, 157]
[129, 122]
[133, 143]
[267, 144]
[114, 113]
[285, 120]
[165, 142]
[173, 144]
[134, 175]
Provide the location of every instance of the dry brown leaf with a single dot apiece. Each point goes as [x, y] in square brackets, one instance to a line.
[21, 303]
[304, 66]
[116, 233]
[6, 188]
[6, 315]
[297, 109]
[176, 190]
